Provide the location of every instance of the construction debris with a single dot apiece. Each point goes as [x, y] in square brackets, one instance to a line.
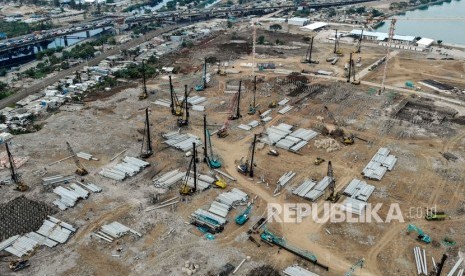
[329, 144]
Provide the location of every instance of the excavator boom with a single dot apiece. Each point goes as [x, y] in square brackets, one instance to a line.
[80, 170]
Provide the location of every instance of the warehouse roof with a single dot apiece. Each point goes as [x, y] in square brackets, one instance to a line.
[315, 26]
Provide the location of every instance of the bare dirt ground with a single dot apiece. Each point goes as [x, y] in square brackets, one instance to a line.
[421, 178]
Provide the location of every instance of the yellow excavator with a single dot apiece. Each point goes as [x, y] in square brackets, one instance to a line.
[220, 183]
[273, 104]
[318, 161]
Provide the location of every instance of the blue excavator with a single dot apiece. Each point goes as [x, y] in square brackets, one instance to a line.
[242, 218]
[421, 235]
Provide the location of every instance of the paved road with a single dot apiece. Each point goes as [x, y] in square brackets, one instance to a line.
[62, 74]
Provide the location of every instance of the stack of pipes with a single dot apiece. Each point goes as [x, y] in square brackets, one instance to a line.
[456, 266]
[420, 260]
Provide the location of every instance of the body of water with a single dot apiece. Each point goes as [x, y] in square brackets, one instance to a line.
[449, 31]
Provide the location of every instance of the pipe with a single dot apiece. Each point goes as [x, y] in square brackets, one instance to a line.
[114, 157]
[416, 260]
[455, 267]
[161, 206]
[425, 266]
[239, 266]
[434, 265]
[168, 200]
[63, 159]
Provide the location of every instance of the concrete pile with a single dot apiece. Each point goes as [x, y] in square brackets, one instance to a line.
[181, 141]
[169, 179]
[57, 179]
[296, 270]
[129, 167]
[233, 198]
[52, 232]
[381, 162]
[114, 230]
[69, 195]
[312, 190]
[22, 215]
[328, 144]
[283, 181]
[283, 137]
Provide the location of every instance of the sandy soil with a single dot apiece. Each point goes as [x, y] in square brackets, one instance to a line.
[422, 177]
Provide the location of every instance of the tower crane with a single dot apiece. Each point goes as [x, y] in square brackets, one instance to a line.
[333, 195]
[15, 177]
[208, 156]
[235, 105]
[80, 170]
[146, 149]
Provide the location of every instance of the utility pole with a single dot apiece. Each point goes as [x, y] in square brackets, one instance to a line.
[391, 35]
[253, 154]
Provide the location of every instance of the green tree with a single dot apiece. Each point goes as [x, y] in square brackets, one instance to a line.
[230, 24]
[439, 42]
[261, 40]
[331, 12]
[275, 27]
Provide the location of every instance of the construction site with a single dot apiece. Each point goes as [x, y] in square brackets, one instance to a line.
[176, 176]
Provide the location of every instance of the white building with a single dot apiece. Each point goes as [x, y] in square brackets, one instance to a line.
[297, 21]
[314, 26]
[425, 42]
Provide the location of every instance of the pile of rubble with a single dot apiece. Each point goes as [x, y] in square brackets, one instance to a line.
[328, 144]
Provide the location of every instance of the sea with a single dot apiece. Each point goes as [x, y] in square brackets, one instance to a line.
[436, 23]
